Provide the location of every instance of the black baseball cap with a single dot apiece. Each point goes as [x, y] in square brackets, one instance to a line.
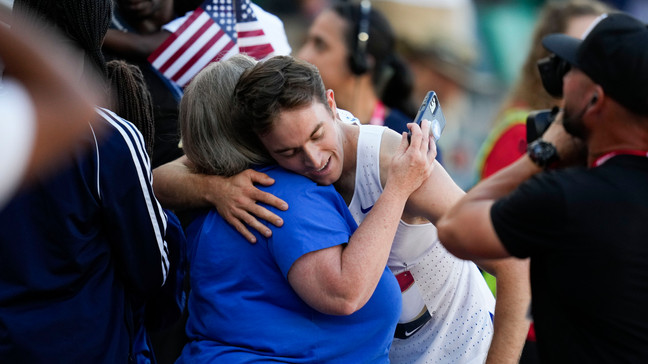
[614, 54]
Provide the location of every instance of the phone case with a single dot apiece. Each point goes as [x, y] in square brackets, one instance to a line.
[431, 110]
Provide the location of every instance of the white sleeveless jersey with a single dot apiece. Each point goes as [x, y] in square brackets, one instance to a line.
[454, 291]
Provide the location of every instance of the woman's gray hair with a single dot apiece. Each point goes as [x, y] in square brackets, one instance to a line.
[207, 124]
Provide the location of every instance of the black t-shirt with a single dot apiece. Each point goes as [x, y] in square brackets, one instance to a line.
[586, 231]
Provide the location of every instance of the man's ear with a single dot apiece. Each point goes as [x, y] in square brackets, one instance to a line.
[597, 95]
[330, 99]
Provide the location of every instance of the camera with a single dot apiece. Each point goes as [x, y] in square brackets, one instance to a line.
[552, 70]
[538, 122]
[431, 110]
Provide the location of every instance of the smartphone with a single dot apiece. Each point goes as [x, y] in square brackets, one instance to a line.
[431, 110]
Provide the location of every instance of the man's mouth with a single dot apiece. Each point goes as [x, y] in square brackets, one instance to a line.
[324, 168]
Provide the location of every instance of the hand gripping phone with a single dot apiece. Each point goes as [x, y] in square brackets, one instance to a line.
[431, 110]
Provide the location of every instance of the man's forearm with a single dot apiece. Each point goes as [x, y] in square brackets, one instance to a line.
[473, 210]
[510, 322]
[504, 181]
[176, 187]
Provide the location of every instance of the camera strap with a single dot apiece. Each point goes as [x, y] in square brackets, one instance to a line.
[605, 157]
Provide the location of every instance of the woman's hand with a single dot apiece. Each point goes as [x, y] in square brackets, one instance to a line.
[413, 162]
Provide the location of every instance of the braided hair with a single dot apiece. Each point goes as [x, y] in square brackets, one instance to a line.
[85, 22]
[131, 99]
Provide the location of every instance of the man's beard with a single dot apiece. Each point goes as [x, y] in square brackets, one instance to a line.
[574, 123]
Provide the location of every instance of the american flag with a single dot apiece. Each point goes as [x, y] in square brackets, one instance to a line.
[216, 30]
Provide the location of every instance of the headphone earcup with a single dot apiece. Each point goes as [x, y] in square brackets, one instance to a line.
[358, 63]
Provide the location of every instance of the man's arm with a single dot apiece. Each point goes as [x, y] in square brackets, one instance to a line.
[467, 232]
[473, 210]
[132, 45]
[236, 198]
[479, 241]
[510, 321]
[341, 279]
[434, 198]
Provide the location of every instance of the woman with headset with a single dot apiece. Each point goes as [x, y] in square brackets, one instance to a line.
[353, 46]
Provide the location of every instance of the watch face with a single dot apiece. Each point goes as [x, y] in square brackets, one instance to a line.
[542, 153]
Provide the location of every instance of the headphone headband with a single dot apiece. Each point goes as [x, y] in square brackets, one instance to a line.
[363, 26]
[358, 60]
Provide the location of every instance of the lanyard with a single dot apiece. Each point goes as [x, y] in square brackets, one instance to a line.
[378, 116]
[605, 157]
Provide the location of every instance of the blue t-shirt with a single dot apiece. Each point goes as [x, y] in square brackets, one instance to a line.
[242, 307]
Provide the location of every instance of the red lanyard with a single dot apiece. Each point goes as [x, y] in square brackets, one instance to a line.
[378, 116]
[605, 157]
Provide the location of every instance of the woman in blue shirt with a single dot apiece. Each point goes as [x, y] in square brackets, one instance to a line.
[317, 290]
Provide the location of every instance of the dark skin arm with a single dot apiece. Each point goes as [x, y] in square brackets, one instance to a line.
[147, 19]
[132, 45]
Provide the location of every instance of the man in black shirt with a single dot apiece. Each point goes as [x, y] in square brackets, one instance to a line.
[585, 229]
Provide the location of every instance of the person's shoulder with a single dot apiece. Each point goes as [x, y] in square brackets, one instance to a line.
[111, 119]
[116, 137]
[389, 142]
[282, 175]
[287, 183]
[556, 182]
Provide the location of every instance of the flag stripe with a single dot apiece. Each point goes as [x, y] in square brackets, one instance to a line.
[252, 42]
[215, 54]
[200, 53]
[194, 48]
[216, 30]
[258, 51]
[177, 39]
[184, 47]
[250, 33]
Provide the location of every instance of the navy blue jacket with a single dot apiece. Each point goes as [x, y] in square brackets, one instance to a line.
[80, 251]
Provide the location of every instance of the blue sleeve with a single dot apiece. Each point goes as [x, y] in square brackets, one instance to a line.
[135, 220]
[317, 219]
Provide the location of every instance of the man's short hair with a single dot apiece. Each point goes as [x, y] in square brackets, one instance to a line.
[278, 84]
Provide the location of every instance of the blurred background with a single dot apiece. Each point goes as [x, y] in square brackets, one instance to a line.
[469, 51]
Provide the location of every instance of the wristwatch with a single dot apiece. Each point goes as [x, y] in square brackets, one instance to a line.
[543, 154]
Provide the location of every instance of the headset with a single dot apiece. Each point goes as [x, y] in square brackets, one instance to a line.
[358, 57]
[594, 99]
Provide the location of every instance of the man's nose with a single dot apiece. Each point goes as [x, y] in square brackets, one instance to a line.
[312, 158]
